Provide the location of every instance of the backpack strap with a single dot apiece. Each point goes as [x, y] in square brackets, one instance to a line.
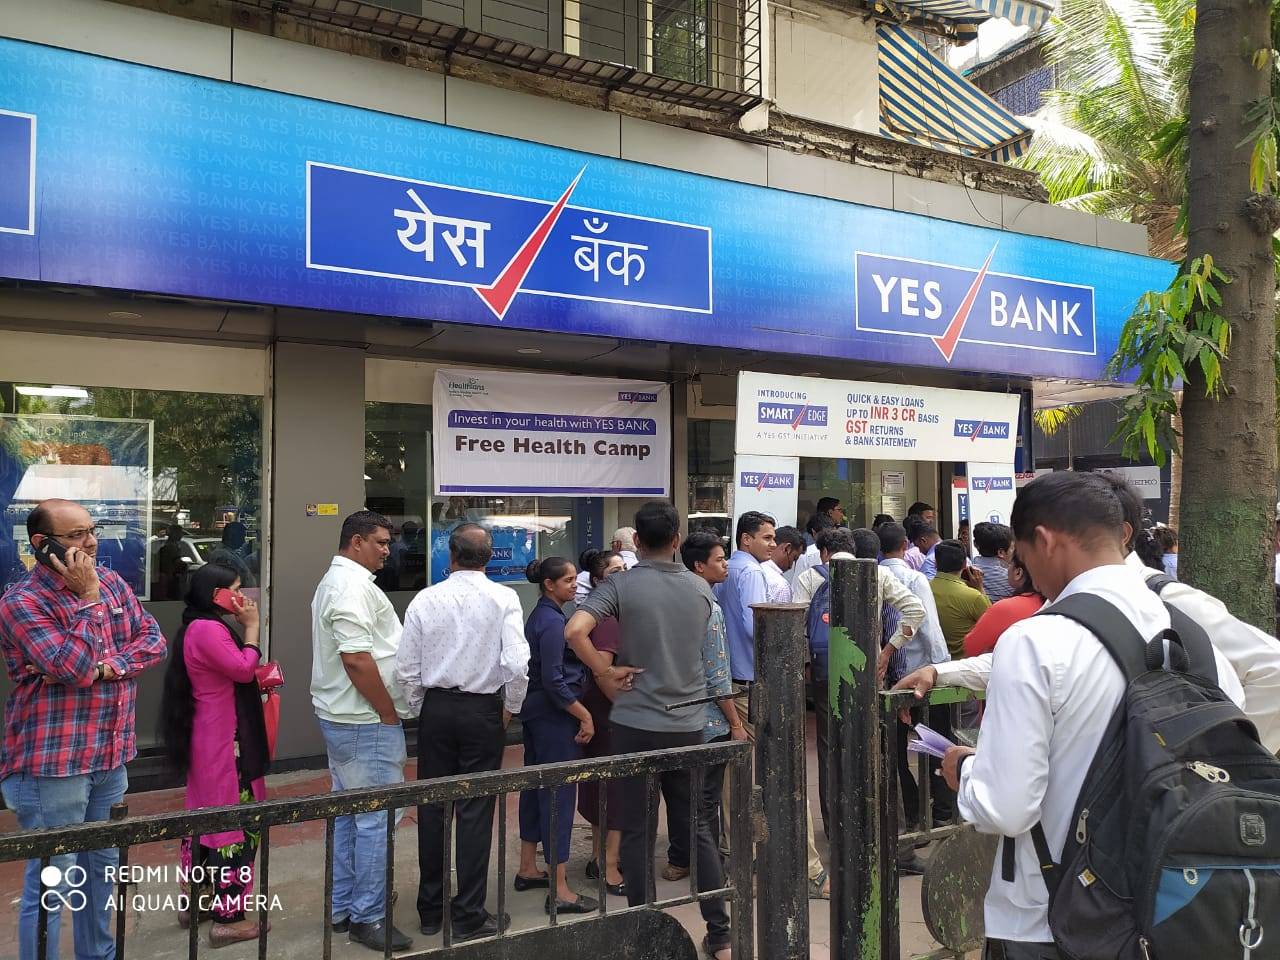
[1048, 869]
[1158, 581]
[1191, 636]
[1112, 629]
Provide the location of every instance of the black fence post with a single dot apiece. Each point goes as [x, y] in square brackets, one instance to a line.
[777, 700]
[856, 774]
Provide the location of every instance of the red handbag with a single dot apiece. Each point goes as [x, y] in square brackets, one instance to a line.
[270, 680]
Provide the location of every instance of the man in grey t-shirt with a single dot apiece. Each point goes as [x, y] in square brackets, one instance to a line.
[662, 612]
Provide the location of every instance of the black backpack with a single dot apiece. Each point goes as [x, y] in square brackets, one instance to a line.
[1175, 849]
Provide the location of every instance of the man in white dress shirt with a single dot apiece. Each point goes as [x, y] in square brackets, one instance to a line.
[788, 547]
[624, 542]
[1052, 691]
[1254, 655]
[354, 637]
[464, 665]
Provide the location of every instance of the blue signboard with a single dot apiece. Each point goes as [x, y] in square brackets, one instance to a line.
[159, 182]
[753, 480]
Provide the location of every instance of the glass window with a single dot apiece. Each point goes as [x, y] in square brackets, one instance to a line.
[398, 481]
[711, 476]
[174, 480]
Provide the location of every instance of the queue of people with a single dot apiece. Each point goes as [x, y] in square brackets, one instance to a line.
[658, 619]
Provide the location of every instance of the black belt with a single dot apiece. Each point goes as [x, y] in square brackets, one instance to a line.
[459, 692]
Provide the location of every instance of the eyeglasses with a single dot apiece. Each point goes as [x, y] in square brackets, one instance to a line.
[79, 536]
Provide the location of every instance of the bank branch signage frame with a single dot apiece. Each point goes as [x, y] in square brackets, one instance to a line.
[160, 182]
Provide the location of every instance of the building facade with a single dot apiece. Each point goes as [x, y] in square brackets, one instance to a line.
[263, 268]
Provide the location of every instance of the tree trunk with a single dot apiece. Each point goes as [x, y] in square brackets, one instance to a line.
[1229, 452]
[1175, 471]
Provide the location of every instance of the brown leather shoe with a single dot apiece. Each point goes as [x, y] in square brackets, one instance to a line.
[674, 873]
[224, 934]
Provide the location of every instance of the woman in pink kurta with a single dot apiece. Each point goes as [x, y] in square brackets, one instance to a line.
[212, 724]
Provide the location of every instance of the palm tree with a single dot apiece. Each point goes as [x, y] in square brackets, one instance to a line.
[1106, 141]
[1049, 420]
[1109, 140]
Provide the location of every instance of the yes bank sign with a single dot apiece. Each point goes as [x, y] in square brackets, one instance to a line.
[950, 305]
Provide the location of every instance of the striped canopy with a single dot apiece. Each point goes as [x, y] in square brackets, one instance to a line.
[924, 101]
[964, 16]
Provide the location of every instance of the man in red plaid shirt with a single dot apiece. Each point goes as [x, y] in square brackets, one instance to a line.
[74, 639]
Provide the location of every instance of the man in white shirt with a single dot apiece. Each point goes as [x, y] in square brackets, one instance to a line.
[355, 634]
[1052, 691]
[810, 558]
[464, 664]
[787, 549]
[927, 647]
[624, 542]
[1253, 654]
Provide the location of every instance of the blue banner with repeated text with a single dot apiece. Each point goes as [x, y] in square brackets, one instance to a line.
[122, 176]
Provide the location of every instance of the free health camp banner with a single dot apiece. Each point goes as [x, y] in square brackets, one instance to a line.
[539, 434]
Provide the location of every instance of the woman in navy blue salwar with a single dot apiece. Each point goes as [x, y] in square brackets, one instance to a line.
[556, 724]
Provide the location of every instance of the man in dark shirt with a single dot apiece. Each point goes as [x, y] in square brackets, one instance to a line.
[662, 611]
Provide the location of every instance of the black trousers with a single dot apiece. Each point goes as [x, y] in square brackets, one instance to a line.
[822, 728]
[711, 802]
[1010, 950]
[638, 836]
[457, 733]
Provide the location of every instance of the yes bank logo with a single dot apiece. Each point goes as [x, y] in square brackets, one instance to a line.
[628, 396]
[793, 415]
[991, 483]
[981, 429]
[750, 480]
[951, 305]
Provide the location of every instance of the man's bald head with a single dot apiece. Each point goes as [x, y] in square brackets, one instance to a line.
[56, 516]
[470, 547]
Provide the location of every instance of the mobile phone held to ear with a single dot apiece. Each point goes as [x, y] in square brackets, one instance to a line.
[225, 599]
[48, 548]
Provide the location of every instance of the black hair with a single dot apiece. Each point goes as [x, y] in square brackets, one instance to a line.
[839, 540]
[880, 520]
[950, 557]
[791, 537]
[1130, 504]
[1167, 537]
[918, 508]
[588, 556]
[1148, 549]
[362, 523]
[470, 546]
[817, 523]
[548, 568]
[38, 520]
[924, 530]
[599, 559]
[177, 703]
[827, 503]
[233, 534]
[892, 538]
[1028, 585]
[866, 544]
[750, 522]
[698, 547]
[657, 523]
[991, 538]
[911, 524]
[1078, 504]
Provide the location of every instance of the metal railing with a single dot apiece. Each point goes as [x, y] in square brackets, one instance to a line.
[126, 832]
[700, 53]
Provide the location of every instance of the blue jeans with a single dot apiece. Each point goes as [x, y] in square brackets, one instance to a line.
[361, 755]
[42, 802]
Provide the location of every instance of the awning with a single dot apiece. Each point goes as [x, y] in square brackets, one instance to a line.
[924, 101]
[964, 16]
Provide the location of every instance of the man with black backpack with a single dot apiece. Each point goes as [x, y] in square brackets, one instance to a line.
[1092, 757]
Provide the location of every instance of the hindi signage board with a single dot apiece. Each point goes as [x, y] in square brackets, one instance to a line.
[532, 433]
[255, 196]
[807, 417]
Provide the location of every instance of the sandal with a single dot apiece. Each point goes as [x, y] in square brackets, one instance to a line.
[818, 889]
[713, 953]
